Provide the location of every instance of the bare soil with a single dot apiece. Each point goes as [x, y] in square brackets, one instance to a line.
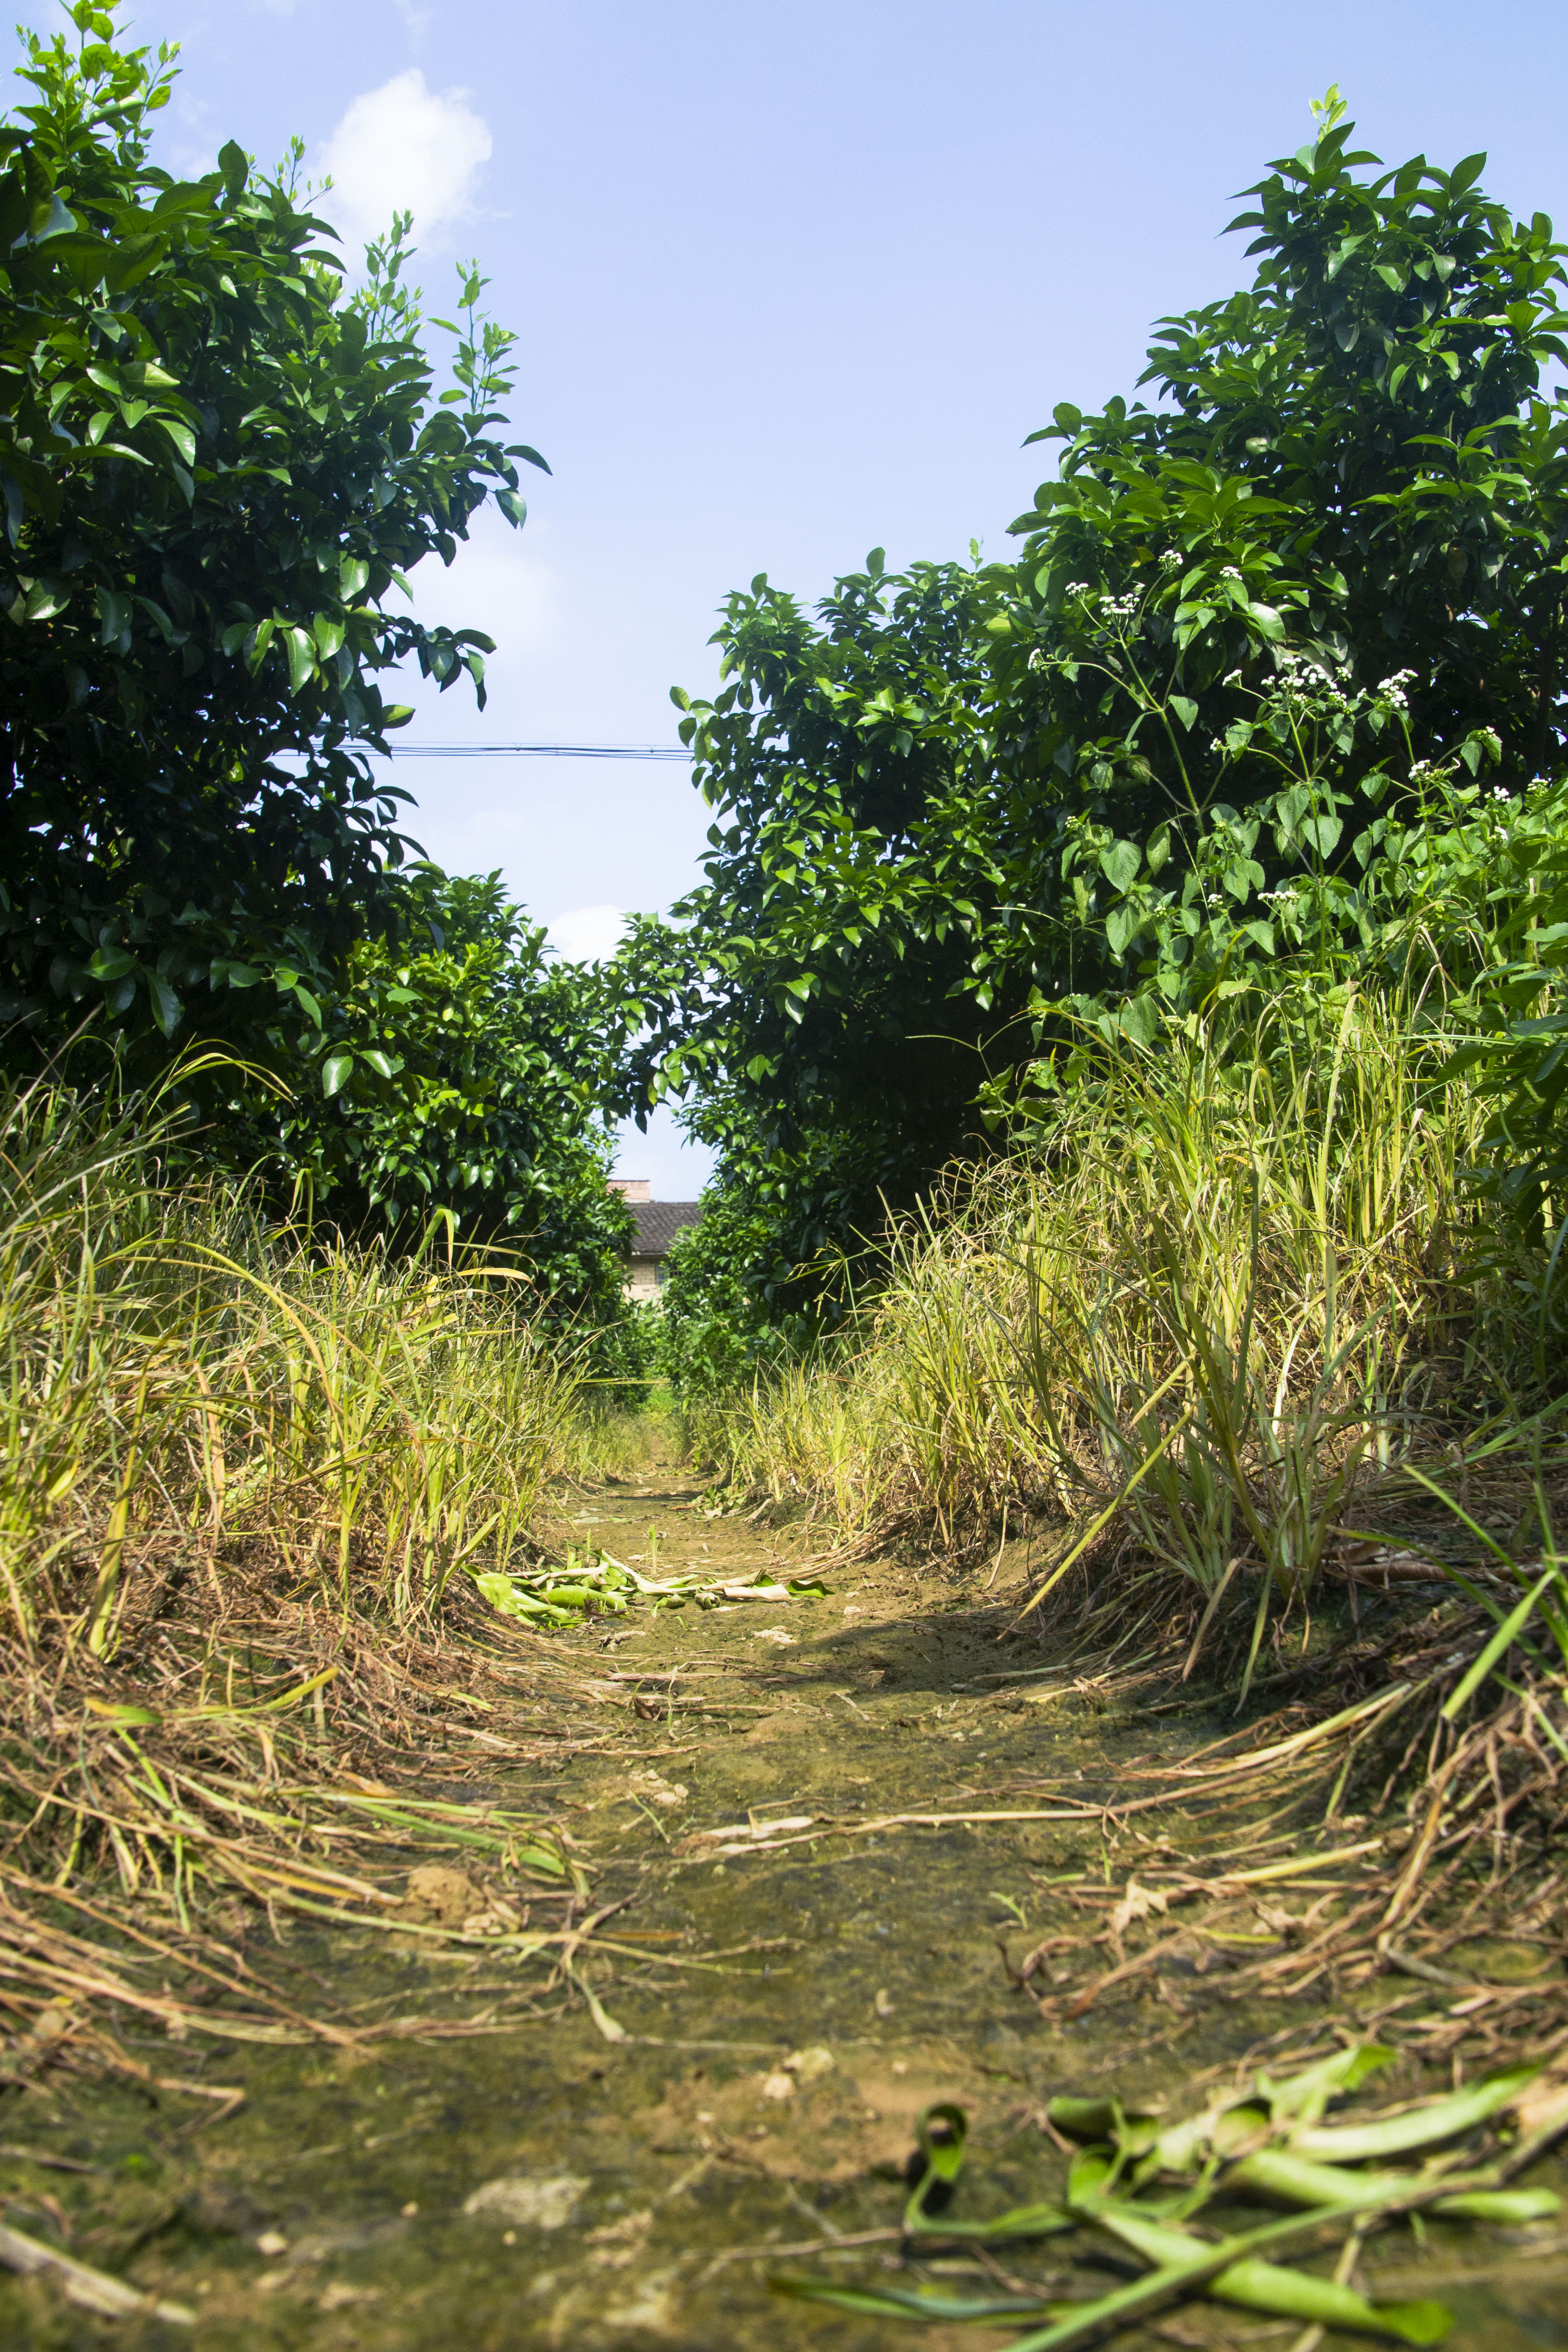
[747, 2094]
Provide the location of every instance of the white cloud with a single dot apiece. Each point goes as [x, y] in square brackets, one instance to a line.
[587, 934]
[403, 148]
[492, 583]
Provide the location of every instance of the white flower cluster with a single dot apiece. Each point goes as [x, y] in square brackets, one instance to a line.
[1392, 690]
[1307, 684]
[1109, 608]
[1171, 560]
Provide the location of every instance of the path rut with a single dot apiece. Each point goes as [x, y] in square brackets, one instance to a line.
[746, 2100]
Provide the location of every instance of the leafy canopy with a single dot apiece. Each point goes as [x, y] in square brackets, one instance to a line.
[472, 1090]
[1266, 627]
[217, 471]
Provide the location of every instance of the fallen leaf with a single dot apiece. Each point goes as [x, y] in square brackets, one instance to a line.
[1138, 1903]
[536, 2200]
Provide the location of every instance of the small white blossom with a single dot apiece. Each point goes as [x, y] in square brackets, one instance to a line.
[1392, 690]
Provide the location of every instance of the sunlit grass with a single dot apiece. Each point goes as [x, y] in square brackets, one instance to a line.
[1216, 1289]
[242, 1465]
[182, 1383]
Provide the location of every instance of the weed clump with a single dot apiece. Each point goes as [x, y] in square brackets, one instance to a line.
[249, 1475]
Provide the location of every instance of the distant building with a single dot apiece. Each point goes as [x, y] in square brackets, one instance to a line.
[657, 1223]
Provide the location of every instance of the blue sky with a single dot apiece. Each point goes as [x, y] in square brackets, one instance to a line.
[792, 281]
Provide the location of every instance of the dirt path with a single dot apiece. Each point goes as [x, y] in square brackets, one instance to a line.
[816, 1973]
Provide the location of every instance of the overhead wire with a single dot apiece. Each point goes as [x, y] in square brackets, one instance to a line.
[538, 752]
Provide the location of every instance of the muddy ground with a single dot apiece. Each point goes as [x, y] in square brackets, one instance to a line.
[751, 2085]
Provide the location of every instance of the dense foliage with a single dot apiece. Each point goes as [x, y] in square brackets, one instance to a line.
[1273, 636]
[219, 469]
[216, 472]
[472, 1092]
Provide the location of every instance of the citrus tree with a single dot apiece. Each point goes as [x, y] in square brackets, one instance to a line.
[218, 471]
[1268, 626]
[459, 1079]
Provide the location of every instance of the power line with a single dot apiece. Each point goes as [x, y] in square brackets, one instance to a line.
[538, 752]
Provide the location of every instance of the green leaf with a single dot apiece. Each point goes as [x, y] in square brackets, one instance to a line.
[334, 1071]
[1120, 926]
[1120, 864]
[111, 963]
[920, 2303]
[300, 649]
[114, 614]
[181, 434]
[234, 165]
[1185, 708]
[1498, 1647]
[167, 1008]
[1258, 2285]
[1422, 2126]
[1278, 2173]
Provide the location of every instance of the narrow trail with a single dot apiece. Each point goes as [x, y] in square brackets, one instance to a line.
[790, 1975]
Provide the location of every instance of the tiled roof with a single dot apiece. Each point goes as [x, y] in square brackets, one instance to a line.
[659, 1222]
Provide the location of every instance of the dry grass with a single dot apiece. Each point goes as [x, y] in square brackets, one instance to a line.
[1224, 1291]
[244, 1475]
[1228, 1327]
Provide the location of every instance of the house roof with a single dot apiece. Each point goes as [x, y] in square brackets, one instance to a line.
[659, 1222]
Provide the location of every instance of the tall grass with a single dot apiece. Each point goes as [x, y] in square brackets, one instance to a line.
[185, 1388]
[239, 1467]
[1217, 1286]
